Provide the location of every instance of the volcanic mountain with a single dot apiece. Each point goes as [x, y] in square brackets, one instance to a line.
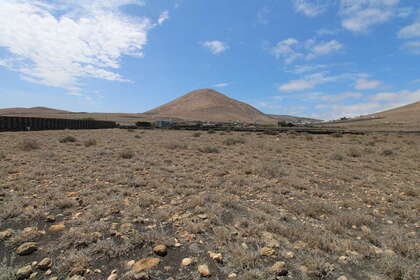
[210, 105]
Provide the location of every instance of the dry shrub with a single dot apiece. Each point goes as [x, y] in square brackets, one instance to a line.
[354, 152]
[196, 134]
[90, 142]
[337, 156]
[272, 170]
[234, 141]
[68, 139]
[127, 154]
[29, 145]
[177, 146]
[209, 150]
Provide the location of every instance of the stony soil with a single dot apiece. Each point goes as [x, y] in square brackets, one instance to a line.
[156, 204]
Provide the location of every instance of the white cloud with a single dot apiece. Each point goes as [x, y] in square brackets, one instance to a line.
[221, 85]
[87, 39]
[413, 47]
[360, 15]
[216, 47]
[262, 15]
[367, 84]
[410, 31]
[74, 93]
[285, 49]
[311, 8]
[299, 69]
[326, 31]
[312, 80]
[291, 49]
[325, 48]
[297, 85]
[164, 16]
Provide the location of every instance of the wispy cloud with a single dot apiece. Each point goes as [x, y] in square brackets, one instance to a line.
[410, 31]
[367, 84]
[87, 40]
[312, 80]
[216, 47]
[262, 15]
[291, 49]
[361, 15]
[413, 47]
[221, 85]
[311, 8]
[164, 16]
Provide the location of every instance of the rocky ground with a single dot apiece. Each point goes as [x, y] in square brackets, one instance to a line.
[155, 204]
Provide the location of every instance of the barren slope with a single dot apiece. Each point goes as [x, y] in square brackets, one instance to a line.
[33, 110]
[210, 105]
[402, 118]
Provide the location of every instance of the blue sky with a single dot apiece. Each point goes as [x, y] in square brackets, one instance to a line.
[318, 58]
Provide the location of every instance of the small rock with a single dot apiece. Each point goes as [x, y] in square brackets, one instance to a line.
[130, 263]
[141, 276]
[113, 275]
[34, 263]
[50, 219]
[160, 250]
[202, 216]
[48, 272]
[33, 275]
[342, 278]
[303, 268]
[187, 261]
[6, 234]
[204, 270]
[389, 252]
[53, 278]
[27, 248]
[145, 264]
[270, 240]
[57, 227]
[77, 277]
[343, 259]
[215, 256]
[44, 264]
[266, 251]
[24, 272]
[365, 229]
[278, 268]
[244, 245]
[289, 255]
[232, 275]
[77, 270]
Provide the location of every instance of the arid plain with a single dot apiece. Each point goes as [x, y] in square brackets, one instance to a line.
[164, 204]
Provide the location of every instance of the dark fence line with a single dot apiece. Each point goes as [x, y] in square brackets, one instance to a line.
[23, 123]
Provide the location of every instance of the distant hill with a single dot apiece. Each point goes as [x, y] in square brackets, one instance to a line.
[401, 118]
[294, 120]
[209, 105]
[31, 111]
[405, 113]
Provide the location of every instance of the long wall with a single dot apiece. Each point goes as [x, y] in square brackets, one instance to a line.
[23, 123]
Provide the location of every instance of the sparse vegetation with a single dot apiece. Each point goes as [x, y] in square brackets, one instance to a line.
[90, 142]
[68, 139]
[233, 141]
[127, 154]
[269, 206]
[29, 145]
[209, 150]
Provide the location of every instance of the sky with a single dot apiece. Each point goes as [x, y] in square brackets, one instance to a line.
[316, 58]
